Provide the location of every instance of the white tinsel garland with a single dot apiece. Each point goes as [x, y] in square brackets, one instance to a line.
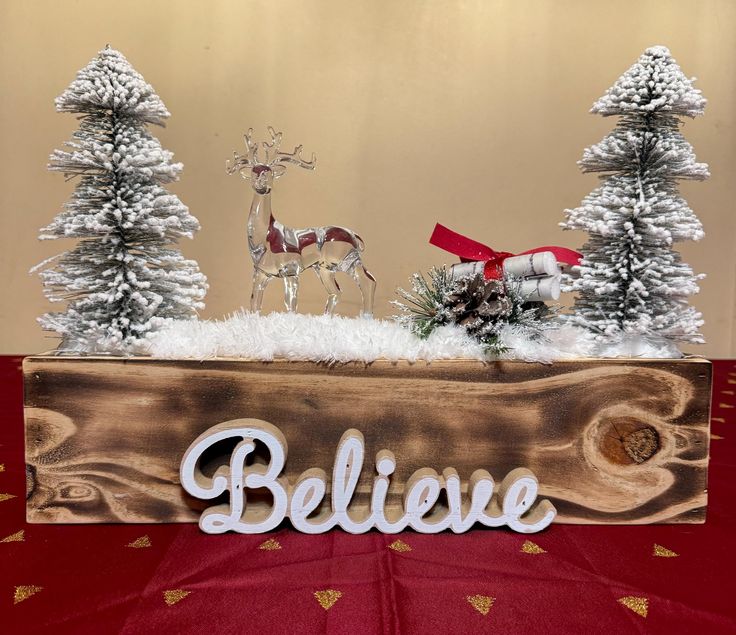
[325, 338]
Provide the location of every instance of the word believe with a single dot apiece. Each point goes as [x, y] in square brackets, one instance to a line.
[302, 502]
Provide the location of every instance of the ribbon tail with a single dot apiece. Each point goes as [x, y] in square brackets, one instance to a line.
[465, 248]
[563, 254]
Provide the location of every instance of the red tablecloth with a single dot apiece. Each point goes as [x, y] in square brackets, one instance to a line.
[139, 579]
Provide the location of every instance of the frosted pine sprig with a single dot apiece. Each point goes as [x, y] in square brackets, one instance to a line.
[485, 309]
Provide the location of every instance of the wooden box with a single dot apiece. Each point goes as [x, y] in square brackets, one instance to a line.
[611, 441]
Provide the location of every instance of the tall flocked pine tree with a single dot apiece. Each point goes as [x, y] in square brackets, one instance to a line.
[125, 275]
[631, 283]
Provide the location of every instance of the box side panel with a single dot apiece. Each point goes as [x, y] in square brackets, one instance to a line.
[610, 441]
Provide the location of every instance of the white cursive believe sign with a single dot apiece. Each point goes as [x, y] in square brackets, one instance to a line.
[302, 501]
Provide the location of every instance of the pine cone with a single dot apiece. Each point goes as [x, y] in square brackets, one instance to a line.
[475, 303]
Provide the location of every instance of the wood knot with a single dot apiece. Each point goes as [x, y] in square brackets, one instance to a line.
[77, 492]
[626, 441]
[642, 444]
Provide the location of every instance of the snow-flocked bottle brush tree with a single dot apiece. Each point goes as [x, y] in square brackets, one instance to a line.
[125, 275]
[631, 284]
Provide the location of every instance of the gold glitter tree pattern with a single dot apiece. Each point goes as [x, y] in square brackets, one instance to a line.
[140, 543]
[481, 603]
[640, 606]
[663, 552]
[270, 545]
[327, 598]
[173, 596]
[400, 546]
[531, 547]
[22, 593]
[4, 497]
[18, 536]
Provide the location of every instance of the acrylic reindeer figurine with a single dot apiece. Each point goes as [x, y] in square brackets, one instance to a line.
[282, 252]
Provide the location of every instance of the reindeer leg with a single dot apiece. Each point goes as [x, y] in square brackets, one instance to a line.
[367, 284]
[291, 292]
[333, 289]
[260, 280]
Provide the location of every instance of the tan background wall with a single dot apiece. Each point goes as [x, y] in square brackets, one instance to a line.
[469, 113]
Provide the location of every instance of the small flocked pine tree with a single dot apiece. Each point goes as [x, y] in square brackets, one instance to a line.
[125, 274]
[631, 282]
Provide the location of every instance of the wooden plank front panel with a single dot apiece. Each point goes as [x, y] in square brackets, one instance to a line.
[611, 441]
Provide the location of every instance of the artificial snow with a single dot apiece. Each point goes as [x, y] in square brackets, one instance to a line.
[324, 338]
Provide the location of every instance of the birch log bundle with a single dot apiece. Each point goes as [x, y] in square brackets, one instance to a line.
[539, 272]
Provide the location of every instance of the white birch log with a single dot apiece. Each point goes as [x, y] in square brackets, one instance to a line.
[542, 263]
[541, 289]
[467, 269]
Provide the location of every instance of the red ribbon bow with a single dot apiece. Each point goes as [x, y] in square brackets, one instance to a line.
[471, 251]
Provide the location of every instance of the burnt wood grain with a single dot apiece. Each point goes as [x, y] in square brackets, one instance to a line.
[611, 441]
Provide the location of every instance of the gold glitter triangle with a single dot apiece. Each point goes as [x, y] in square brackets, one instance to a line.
[18, 536]
[175, 595]
[140, 543]
[718, 419]
[327, 598]
[4, 497]
[24, 592]
[481, 603]
[663, 552]
[531, 547]
[400, 546]
[640, 606]
[2, 467]
[716, 437]
[270, 545]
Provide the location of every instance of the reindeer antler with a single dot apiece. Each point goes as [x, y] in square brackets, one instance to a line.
[272, 148]
[274, 156]
[295, 157]
[247, 160]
